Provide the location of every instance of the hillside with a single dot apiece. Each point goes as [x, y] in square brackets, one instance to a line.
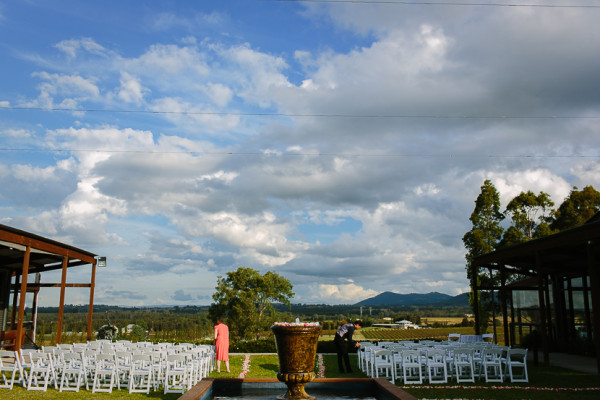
[415, 299]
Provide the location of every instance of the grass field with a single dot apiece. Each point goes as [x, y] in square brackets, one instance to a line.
[545, 383]
[441, 320]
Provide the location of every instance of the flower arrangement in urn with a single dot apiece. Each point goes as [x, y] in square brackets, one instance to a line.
[296, 344]
[297, 323]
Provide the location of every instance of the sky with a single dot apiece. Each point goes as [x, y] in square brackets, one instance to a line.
[339, 144]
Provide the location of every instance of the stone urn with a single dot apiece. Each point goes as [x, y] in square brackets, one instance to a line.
[296, 348]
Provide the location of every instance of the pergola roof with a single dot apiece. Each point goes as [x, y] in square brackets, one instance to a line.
[46, 254]
[566, 251]
[23, 253]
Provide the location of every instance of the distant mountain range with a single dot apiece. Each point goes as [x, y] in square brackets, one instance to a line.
[416, 299]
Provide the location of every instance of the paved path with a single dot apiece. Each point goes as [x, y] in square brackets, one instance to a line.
[570, 361]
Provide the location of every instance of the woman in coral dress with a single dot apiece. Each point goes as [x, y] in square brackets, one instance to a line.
[222, 344]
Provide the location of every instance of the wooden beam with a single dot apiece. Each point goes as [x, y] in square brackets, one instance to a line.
[33, 286]
[34, 307]
[91, 306]
[22, 295]
[61, 304]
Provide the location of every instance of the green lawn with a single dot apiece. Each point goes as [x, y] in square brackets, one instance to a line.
[544, 383]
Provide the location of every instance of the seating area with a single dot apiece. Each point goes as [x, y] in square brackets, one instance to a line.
[104, 366]
[439, 362]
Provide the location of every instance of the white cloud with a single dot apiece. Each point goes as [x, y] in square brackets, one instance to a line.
[72, 47]
[69, 90]
[68, 84]
[259, 75]
[131, 90]
[17, 133]
[220, 94]
[509, 185]
[170, 61]
[343, 294]
[29, 174]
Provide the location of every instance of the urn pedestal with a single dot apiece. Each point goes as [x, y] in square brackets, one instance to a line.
[296, 349]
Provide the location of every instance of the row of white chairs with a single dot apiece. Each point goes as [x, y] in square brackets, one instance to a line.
[437, 362]
[105, 366]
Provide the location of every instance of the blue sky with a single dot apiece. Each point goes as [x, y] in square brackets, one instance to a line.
[339, 144]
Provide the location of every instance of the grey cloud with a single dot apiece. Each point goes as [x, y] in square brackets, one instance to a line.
[180, 295]
[125, 294]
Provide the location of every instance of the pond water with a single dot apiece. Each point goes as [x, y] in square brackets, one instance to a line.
[271, 394]
[349, 390]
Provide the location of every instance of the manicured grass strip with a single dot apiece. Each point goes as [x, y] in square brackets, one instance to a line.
[332, 370]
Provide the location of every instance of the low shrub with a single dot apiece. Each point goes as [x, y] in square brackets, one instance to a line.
[252, 346]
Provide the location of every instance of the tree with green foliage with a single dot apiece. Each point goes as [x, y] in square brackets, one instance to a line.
[484, 238]
[577, 208]
[487, 231]
[529, 214]
[244, 300]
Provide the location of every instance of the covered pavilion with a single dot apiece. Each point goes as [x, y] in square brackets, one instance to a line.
[24, 258]
[549, 288]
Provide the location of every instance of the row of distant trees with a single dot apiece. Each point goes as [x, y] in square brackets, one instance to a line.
[195, 324]
[530, 216]
[163, 324]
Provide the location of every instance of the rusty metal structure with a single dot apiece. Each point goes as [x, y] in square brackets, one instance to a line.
[24, 258]
[554, 284]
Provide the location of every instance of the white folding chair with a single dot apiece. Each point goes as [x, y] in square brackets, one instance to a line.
[436, 366]
[197, 362]
[105, 373]
[89, 362]
[516, 364]
[9, 362]
[25, 365]
[488, 337]
[123, 366]
[140, 373]
[382, 360]
[454, 337]
[176, 373]
[41, 372]
[361, 353]
[205, 361]
[73, 373]
[368, 359]
[477, 356]
[491, 365]
[463, 365]
[397, 359]
[412, 365]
